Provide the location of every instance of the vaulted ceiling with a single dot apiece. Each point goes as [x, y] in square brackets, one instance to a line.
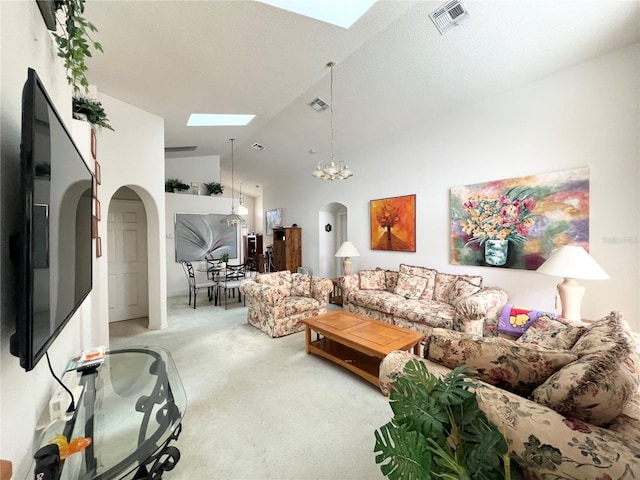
[393, 69]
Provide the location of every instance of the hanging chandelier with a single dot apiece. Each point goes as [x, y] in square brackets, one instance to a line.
[332, 170]
[242, 209]
[232, 219]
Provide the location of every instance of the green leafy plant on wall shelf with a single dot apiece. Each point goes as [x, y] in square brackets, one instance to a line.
[438, 431]
[74, 46]
[174, 185]
[91, 111]
[213, 188]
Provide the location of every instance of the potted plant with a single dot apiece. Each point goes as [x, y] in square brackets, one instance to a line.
[224, 259]
[91, 111]
[438, 430]
[213, 188]
[173, 185]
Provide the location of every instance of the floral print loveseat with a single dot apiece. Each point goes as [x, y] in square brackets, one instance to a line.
[566, 397]
[421, 298]
[278, 302]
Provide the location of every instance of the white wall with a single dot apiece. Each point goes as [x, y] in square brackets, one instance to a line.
[194, 169]
[587, 115]
[185, 203]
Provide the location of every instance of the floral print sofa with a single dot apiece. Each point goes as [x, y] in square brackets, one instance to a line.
[420, 298]
[277, 302]
[566, 397]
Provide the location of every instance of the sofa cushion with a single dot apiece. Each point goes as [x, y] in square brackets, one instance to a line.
[595, 388]
[372, 280]
[410, 286]
[301, 285]
[548, 333]
[293, 305]
[445, 282]
[514, 321]
[379, 300]
[390, 279]
[427, 312]
[499, 361]
[428, 273]
[277, 279]
[461, 289]
[604, 334]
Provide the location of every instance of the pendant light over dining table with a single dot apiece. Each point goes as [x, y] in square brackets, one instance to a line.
[232, 219]
[332, 170]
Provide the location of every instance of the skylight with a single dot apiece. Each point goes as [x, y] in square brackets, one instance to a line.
[218, 120]
[336, 12]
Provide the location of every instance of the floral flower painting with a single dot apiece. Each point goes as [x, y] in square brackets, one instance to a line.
[393, 223]
[518, 222]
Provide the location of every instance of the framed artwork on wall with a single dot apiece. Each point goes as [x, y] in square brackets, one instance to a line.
[200, 234]
[518, 222]
[393, 223]
[273, 218]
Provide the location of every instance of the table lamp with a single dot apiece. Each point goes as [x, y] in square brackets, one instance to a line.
[572, 262]
[347, 250]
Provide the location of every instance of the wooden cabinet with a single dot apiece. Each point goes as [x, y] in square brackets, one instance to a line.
[253, 249]
[287, 248]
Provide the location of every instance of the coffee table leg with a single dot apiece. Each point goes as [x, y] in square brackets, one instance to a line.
[307, 334]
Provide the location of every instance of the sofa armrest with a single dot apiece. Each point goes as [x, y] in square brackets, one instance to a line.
[320, 288]
[480, 310]
[348, 284]
[262, 292]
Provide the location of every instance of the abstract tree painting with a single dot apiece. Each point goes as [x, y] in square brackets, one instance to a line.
[518, 222]
[393, 223]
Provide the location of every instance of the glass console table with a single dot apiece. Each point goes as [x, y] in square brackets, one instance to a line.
[131, 407]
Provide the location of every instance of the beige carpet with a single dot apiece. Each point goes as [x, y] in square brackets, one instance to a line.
[261, 408]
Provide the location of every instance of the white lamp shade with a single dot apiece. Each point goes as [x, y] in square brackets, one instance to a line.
[347, 249]
[572, 261]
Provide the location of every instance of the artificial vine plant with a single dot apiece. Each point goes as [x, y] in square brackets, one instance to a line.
[74, 46]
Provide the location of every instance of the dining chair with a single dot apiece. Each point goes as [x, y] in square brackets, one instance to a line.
[195, 286]
[230, 280]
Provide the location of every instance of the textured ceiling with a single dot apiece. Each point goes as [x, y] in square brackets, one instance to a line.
[394, 70]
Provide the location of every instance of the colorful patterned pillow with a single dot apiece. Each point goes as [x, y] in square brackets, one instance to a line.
[499, 361]
[604, 334]
[372, 280]
[548, 333]
[280, 279]
[428, 273]
[300, 285]
[461, 289]
[595, 388]
[410, 286]
[390, 279]
[444, 284]
[515, 321]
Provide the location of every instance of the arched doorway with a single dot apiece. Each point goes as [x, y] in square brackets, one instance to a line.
[127, 254]
[333, 231]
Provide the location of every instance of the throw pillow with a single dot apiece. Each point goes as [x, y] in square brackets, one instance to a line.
[372, 280]
[548, 333]
[280, 279]
[514, 321]
[604, 334]
[499, 361]
[390, 279]
[445, 281]
[595, 388]
[410, 286]
[461, 288]
[300, 285]
[428, 273]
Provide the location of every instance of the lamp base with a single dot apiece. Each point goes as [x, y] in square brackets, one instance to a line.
[571, 293]
[346, 266]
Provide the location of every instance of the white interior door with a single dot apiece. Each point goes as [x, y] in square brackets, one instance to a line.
[127, 254]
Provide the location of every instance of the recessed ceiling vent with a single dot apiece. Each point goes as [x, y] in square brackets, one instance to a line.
[257, 146]
[319, 105]
[449, 16]
[188, 148]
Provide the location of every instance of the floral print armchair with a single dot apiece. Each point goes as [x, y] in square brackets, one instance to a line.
[278, 302]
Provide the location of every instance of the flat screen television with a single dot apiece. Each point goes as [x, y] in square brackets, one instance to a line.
[54, 252]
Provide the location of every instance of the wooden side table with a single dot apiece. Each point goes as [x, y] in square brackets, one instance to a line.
[335, 296]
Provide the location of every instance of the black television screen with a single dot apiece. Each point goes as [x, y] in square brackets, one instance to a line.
[55, 252]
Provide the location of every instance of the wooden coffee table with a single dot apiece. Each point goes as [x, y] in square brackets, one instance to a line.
[357, 343]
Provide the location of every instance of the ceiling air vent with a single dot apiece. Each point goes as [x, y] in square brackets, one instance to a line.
[449, 16]
[319, 105]
[188, 148]
[257, 146]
